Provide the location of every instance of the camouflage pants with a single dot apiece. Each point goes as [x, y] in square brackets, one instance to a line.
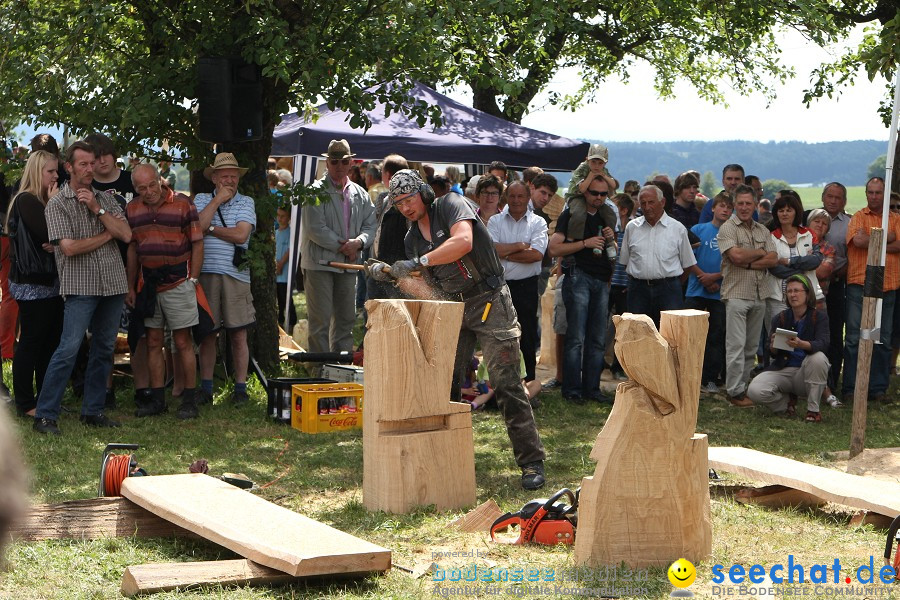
[498, 336]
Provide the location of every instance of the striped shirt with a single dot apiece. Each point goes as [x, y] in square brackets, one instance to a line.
[165, 234]
[218, 254]
[96, 273]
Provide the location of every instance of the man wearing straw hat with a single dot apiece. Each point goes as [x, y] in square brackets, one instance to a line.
[227, 219]
[334, 231]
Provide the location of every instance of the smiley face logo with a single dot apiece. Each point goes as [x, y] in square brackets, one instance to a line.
[682, 573]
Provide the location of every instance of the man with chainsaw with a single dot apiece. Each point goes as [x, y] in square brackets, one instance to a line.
[450, 245]
[334, 231]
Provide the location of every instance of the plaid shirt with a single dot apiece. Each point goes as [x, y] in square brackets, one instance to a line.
[97, 273]
[738, 282]
[164, 235]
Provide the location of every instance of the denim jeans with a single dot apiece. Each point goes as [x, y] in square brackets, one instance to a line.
[879, 373]
[649, 298]
[586, 298]
[101, 314]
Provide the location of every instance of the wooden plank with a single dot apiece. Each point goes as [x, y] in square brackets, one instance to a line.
[777, 496]
[91, 519]
[254, 528]
[834, 486]
[164, 577]
[479, 518]
[548, 336]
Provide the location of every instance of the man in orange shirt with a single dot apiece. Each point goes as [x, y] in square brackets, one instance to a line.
[858, 232]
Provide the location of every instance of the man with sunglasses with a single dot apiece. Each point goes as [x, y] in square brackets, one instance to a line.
[451, 244]
[588, 266]
[334, 231]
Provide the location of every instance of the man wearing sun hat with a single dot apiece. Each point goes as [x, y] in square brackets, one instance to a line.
[227, 218]
[334, 231]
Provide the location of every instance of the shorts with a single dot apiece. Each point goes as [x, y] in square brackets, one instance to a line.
[230, 301]
[176, 308]
[559, 309]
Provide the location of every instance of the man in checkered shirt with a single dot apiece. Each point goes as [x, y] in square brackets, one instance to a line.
[83, 224]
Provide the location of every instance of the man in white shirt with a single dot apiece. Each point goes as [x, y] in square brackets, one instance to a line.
[520, 238]
[655, 251]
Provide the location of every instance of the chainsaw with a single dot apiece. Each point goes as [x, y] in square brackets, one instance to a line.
[543, 521]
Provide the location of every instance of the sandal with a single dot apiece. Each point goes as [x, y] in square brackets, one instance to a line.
[813, 417]
[791, 410]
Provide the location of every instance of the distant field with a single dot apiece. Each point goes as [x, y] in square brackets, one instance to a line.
[812, 197]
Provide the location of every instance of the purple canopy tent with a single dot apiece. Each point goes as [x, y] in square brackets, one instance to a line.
[467, 136]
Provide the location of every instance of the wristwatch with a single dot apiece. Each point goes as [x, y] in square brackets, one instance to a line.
[194, 280]
[211, 228]
[423, 260]
[101, 212]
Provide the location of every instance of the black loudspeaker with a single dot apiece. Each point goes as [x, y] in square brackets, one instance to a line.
[229, 100]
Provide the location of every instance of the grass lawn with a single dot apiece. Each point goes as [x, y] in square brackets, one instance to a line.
[321, 477]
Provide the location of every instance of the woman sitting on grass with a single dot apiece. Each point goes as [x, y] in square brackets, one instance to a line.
[802, 371]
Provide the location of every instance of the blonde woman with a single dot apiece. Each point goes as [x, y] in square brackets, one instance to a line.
[40, 305]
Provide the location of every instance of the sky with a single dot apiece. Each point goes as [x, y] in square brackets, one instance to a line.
[633, 112]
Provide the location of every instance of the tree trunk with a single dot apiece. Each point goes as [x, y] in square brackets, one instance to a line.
[263, 338]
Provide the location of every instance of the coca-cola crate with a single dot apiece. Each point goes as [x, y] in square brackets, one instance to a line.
[318, 408]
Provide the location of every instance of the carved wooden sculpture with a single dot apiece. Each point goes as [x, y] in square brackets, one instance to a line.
[648, 501]
[417, 445]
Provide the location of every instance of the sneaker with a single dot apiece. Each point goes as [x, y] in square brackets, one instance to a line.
[204, 397]
[533, 475]
[187, 410]
[833, 401]
[710, 388]
[740, 401]
[239, 397]
[100, 420]
[150, 409]
[552, 384]
[46, 426]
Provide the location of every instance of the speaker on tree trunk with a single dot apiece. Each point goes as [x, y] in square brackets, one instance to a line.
[229, 100]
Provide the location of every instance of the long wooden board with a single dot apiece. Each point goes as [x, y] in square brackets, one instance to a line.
[835, 486]
[255, 528]
[92, 519]
[163, 577]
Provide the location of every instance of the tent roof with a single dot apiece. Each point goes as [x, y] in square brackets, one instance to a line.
[467, 136]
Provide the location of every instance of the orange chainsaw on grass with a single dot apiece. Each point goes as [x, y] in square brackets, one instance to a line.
[544, 521]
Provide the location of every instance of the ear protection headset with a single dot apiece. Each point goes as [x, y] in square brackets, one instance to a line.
[427, 194]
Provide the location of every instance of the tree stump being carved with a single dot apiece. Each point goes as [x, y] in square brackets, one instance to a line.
[648, 501]
[417, 445]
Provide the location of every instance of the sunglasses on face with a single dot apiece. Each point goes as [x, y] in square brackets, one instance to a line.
[339, 161]
[596, 194]
[404, 201]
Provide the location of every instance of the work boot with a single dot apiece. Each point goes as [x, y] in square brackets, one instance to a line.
[188, 408]
[46, 426]
[100, 420]
[153, 402]
[202, 396]
[239, 397]
[533, 475]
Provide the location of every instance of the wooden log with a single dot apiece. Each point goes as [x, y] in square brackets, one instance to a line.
[164, 577]
[648, 501]
[255, 528]
[548, 336]
[864, 357]
[417, 445]
[92, 519]
[866, 493]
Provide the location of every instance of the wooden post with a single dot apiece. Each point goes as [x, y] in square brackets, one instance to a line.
[864, 358]
[417, 445]
[548, 336]
[648, 501]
